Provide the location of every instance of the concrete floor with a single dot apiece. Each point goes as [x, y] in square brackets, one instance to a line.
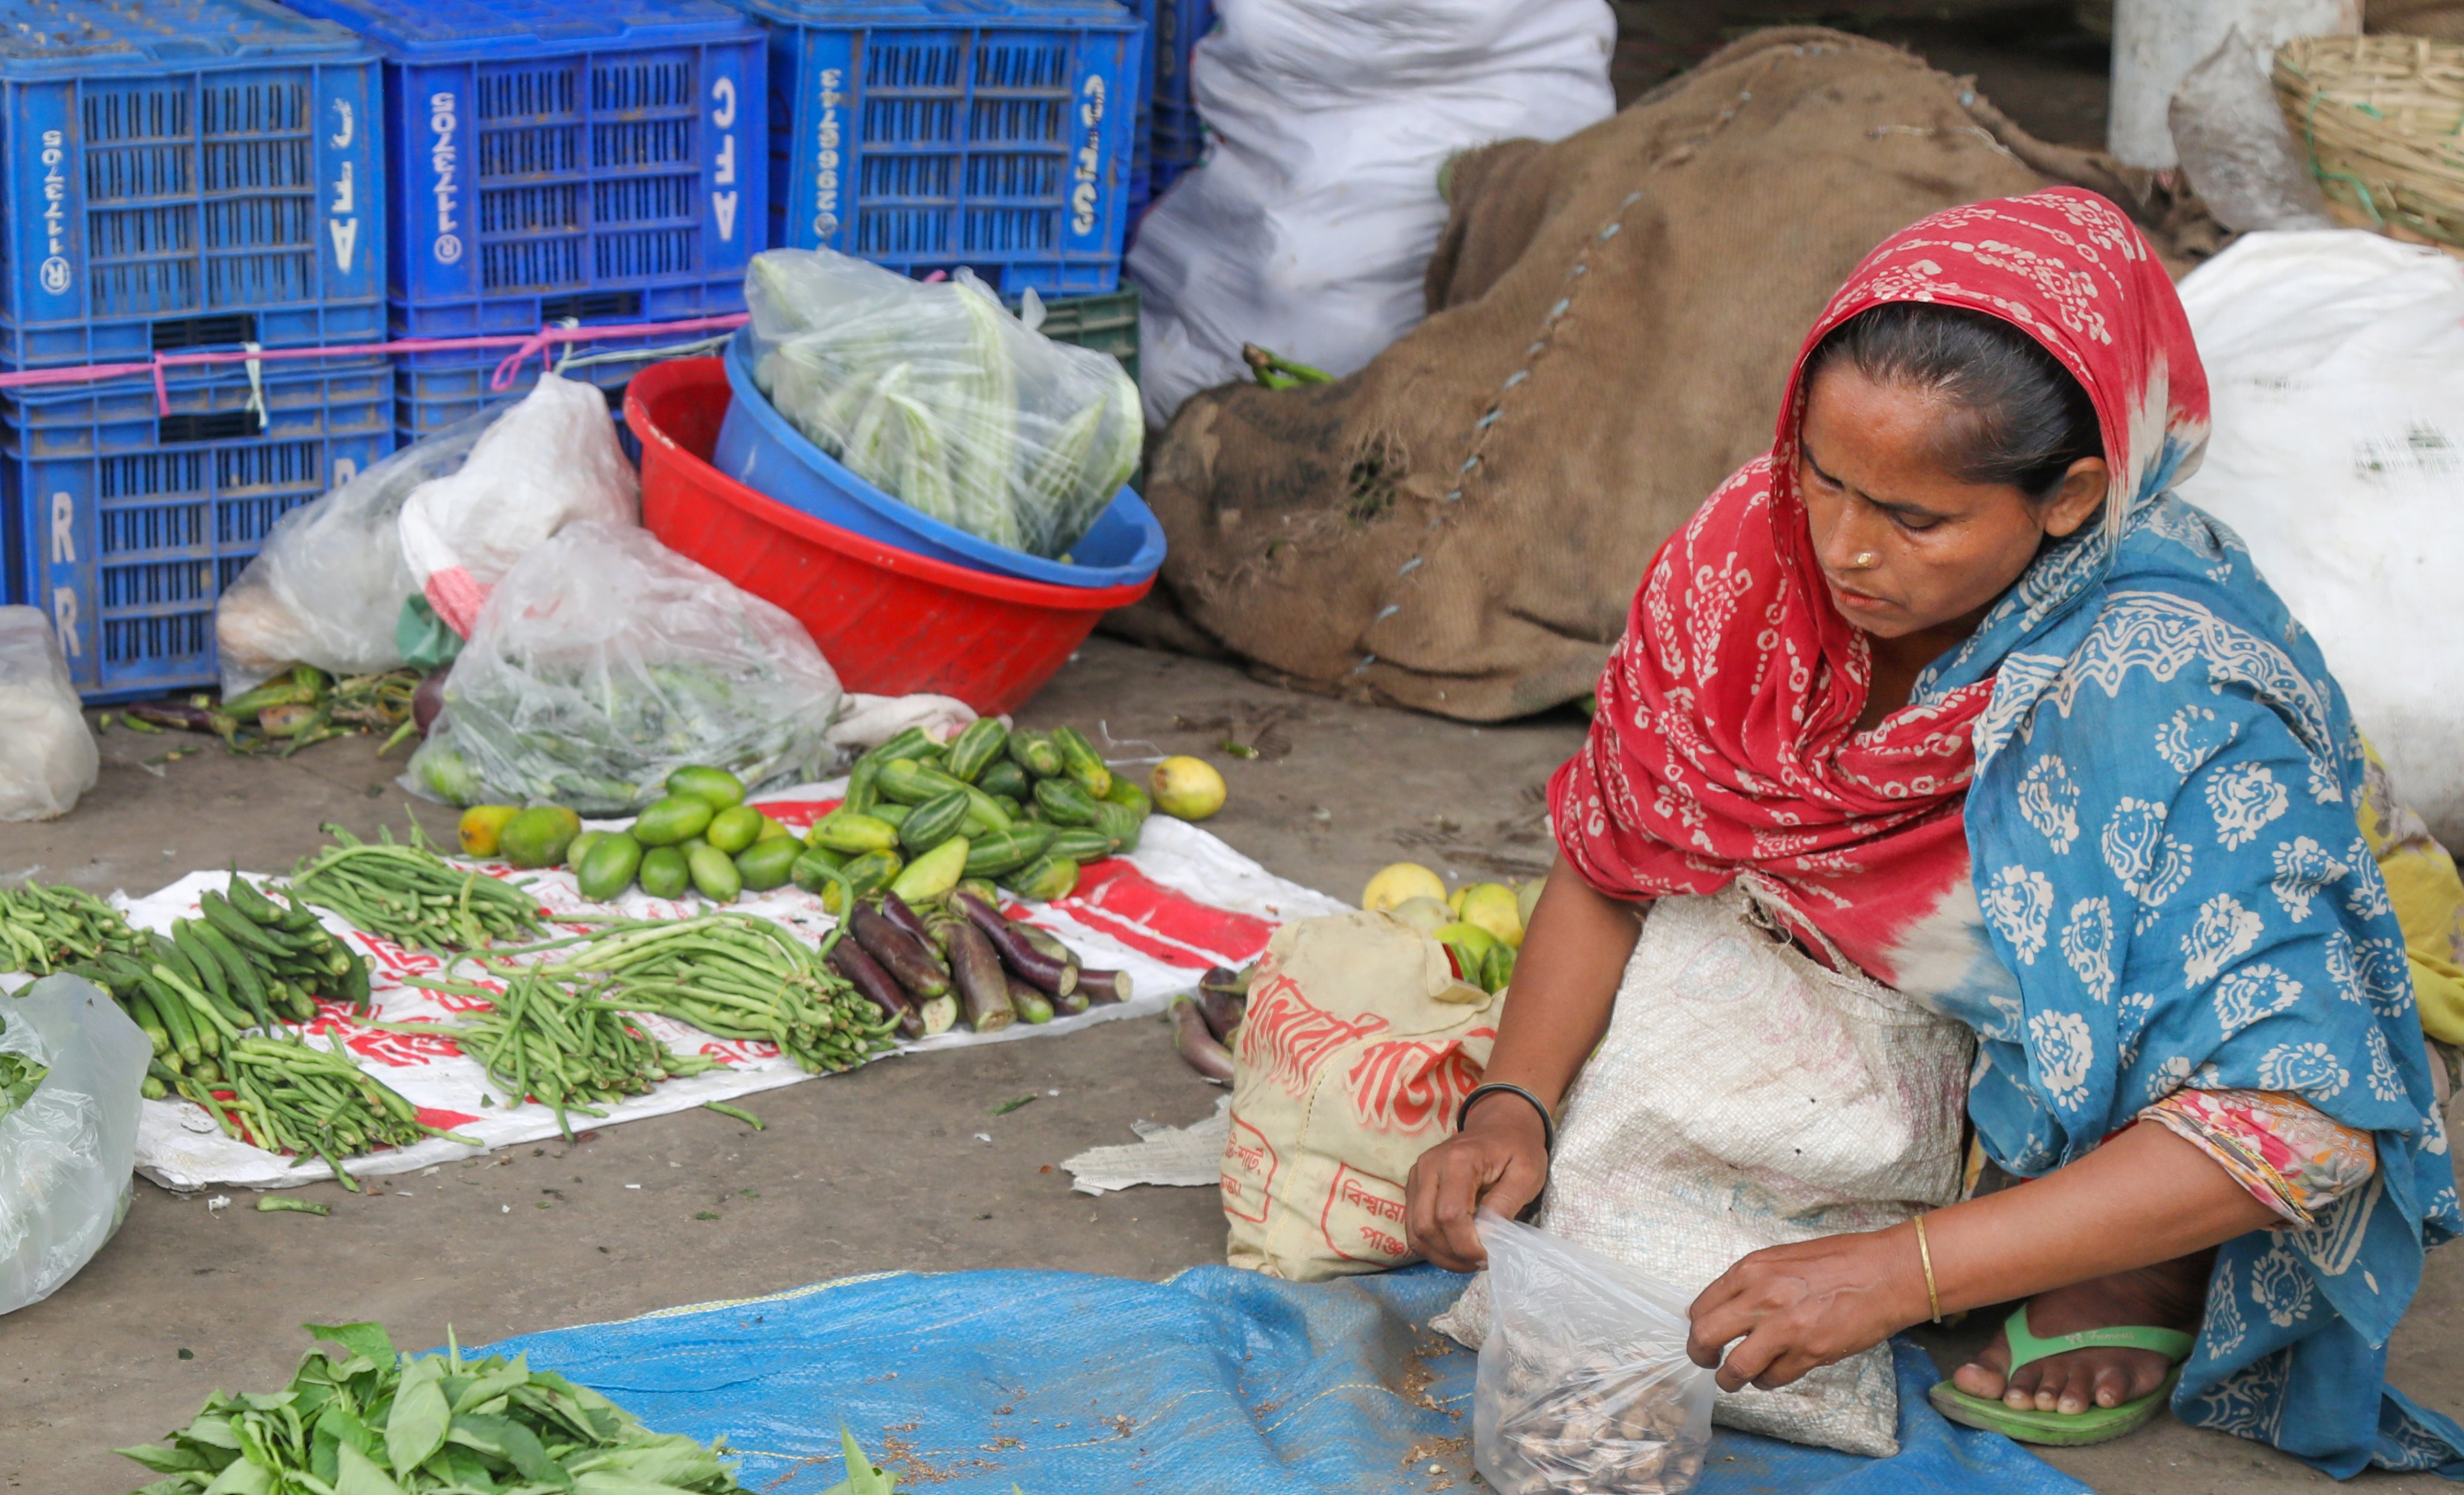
[869, 1171]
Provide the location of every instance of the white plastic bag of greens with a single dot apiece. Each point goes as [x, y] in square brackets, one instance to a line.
[70, 1065]
[937, 395]
[602, 661]
[47, 756]
[1584, 1383]
[327, 588]
[549, 460]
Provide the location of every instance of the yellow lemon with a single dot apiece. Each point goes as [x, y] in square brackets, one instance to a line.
[1426, 915]
[1491, 907]
[1526, 898]
[1187, 788]
[1400, 882]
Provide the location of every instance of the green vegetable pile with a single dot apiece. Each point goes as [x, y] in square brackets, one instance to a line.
[940, 398]
[568, 1050]
[411, 895]
[46, 929]
[284, 1095]
[373, 1421]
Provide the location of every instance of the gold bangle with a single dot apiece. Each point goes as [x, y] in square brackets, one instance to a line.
[1924, 1254]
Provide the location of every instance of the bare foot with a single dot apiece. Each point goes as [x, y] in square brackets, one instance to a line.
[2169, 1295]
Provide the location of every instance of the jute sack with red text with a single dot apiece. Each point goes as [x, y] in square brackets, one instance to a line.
[1358, 1046]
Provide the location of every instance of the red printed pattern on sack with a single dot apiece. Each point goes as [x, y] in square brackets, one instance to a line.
[1248, 1172]
[400, 1051]
[1407, 1087]
[1288, 1039]
[1362, 1220]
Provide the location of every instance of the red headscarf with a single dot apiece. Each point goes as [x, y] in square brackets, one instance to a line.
[1725, 741]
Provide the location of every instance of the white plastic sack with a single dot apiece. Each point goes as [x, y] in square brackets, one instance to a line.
[1307, 227]
[937, 396]
[66, 1154]
[2334, 363]
[603, 661]
[549, 461]
[2235, 150]
[1747, 1097]
[47, 756]
[328, 586]
[1584, 1385]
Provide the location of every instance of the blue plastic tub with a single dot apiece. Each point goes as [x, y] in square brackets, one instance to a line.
[760, 449]
[185, 174]
[926, 135]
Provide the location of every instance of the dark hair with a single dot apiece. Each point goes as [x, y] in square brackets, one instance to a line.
[2024, 419]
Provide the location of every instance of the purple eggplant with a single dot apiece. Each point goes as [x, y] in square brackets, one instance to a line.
[1223, 998]
[1104, 986]
[429, 700]
[899, 912]
[984, 986]
[909, 960]
[1032, 1007]
[1197, 1044]
[865, 975]
[1057, 976]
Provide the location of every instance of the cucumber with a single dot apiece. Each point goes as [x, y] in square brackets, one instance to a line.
[714, 875]
[933, 873]
[1043, 879]
[971, 751]
[1006, 851]
[985, 816]
[863, 790]
[934, 821]
[870, 872]
[1034, 751]
[892, 814]
[1066, 802]
[734, 828]
[609, 867]
[910, 782]
[844, 830]
[769, 864]
[1080, 760]
[1004, 780]
[721, 788]
[1080, 843]
[1120, 822]
[674, 819]
[1126, 791]
[664, 873]
[906, 744]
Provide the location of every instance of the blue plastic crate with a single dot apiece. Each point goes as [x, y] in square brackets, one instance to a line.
[598, 158]
[929, 135]
[1177, 141]
[182, 174]
[126, 535]
[432, 391]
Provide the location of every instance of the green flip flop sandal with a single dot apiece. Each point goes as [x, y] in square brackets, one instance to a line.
[2068, 1429]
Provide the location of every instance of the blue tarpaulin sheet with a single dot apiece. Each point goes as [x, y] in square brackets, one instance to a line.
[1218, 1380]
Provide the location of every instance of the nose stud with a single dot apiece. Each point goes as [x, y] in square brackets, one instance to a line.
[1863, 560]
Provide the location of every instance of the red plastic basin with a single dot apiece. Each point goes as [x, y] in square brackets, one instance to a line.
[889, 621]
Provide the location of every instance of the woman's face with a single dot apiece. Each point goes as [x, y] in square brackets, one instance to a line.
[1906, 545]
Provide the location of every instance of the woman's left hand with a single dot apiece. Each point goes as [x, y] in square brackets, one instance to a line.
[1804, 1305]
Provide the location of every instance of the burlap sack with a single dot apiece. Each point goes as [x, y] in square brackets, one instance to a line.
[1747, 1097]
[1459, 526]
[1358, 1046]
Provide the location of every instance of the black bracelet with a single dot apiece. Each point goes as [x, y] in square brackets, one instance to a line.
[1548, 1125]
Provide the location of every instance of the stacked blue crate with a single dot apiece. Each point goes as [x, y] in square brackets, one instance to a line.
[181, 175]
[556, 160]
[929, 135]
[1175, 137]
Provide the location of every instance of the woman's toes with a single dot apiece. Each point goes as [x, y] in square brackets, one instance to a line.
[2077, 1388]
[2021, 1395]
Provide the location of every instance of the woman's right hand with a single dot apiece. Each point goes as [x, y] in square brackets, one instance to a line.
[1498, 1161]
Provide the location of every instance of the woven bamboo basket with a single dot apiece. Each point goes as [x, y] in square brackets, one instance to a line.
[2381, 118]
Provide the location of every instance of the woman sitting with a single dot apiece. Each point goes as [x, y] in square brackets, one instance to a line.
[1953, 684]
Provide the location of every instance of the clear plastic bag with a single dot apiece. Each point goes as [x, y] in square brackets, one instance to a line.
[2231, 135]
[66, 1152]
[1584, 1386]
[937, 395]
[328, 587]
[47, 756]
[603, 661]
[547, 461]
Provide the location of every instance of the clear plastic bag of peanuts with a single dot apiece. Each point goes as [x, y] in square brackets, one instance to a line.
[1584, 1386]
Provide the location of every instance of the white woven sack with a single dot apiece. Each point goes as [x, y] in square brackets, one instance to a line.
[1747, 1097]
